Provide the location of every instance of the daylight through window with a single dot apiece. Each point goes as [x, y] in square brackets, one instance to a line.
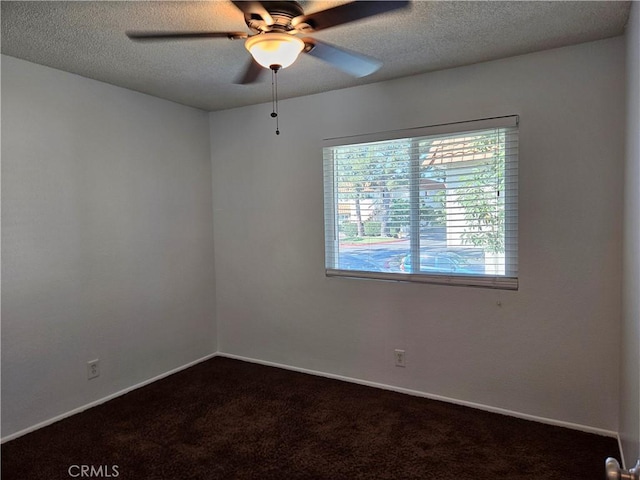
[433, 204]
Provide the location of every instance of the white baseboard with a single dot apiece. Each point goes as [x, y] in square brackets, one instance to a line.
[103, 400]
[417, 393]
[511, 413]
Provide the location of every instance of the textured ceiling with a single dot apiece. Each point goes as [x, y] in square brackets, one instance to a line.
[87, 38]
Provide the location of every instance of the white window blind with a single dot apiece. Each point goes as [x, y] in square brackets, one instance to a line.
[432, 204]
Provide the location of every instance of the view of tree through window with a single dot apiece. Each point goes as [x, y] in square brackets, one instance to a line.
[431, 205]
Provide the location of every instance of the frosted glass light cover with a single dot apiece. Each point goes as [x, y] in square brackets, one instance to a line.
[274, 49]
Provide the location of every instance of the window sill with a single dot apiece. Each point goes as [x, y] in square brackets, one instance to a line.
[496, 282]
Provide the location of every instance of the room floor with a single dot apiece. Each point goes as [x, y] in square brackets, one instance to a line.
[228, 419]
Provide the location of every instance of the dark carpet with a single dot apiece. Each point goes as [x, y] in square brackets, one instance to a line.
[227, 419]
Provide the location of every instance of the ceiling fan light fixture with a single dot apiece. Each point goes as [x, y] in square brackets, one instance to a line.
[273, 48]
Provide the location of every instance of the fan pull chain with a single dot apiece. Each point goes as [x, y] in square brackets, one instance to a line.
[274, 95]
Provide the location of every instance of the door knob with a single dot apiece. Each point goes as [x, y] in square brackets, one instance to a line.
[614, 472]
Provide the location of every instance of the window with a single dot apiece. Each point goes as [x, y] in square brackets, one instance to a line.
[432, 204]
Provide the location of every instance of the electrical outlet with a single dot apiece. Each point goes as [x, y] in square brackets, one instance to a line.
[93, 369]
[401, 361]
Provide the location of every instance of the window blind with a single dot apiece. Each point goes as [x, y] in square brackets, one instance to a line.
[432, 204]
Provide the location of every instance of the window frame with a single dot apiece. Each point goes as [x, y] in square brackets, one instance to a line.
[508, 281]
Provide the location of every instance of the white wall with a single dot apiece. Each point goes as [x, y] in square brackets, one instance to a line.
[550, 351]
[107, 240]
[630, 376]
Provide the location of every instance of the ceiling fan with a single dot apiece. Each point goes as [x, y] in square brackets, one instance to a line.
[275, 26]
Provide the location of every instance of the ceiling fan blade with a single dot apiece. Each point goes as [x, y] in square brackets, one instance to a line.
[353, 63]
[257, 8]
[251, 73]
[163, 36]
[348, 12]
